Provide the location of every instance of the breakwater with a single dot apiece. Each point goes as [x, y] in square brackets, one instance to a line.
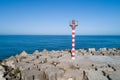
[103, 64]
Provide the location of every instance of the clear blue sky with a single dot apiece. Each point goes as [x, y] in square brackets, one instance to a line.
[95, 17]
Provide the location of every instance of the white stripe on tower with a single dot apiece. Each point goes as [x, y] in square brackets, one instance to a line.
[73, 35]
[73, 42]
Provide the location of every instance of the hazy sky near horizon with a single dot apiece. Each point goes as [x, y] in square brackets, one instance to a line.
[38, 17]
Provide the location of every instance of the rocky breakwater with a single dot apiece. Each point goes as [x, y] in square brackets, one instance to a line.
[103, 64]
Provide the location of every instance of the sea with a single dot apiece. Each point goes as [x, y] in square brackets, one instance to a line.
[10, 45]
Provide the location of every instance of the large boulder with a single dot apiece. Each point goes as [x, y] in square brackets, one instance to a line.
[115, 75]
[2, 73]
[36, 52]
[24, 54]
[72, 74]
[91, 49]
[103, 49]
[82, 51]
[64, 65]
[11, 62]
[44, 51]
[95, 75]
[54, 73]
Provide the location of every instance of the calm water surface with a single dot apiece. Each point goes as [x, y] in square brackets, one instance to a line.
[15, 44]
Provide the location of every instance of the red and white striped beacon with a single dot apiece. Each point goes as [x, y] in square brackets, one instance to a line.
[73, 25]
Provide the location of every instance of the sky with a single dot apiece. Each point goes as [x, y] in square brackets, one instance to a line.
[52, 17]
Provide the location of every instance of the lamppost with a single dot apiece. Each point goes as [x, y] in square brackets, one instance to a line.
[73, 25]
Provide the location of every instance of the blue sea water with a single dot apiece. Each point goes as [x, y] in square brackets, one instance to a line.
[15, 44]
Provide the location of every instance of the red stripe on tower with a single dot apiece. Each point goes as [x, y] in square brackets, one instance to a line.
[73, 33]
[73, 28]
[73, 42]
[73, 47]
[73, 55]
[73, 37]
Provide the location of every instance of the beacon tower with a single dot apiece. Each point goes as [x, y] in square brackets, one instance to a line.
[73, 25]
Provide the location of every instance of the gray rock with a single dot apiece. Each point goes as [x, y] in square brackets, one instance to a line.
[91, 49]
[44, 51]
[73, 74]
[115, 75]
[95, 75]
[102, 49]
[2, 73]
[24, 54]
[36, 52]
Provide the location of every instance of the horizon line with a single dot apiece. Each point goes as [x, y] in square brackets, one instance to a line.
[61, 34]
